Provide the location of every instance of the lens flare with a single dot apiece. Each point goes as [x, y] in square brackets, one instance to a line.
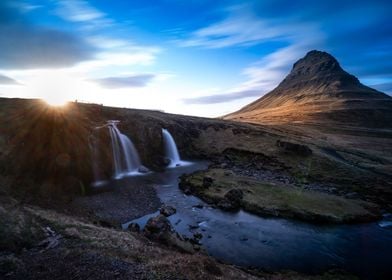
[55, 101]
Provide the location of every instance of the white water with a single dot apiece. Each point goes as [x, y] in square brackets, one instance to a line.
[125, 156]
[171, 151]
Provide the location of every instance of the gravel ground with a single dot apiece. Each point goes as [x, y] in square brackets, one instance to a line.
[120, 205]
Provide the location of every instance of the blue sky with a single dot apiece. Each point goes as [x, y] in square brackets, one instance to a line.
[205, 58]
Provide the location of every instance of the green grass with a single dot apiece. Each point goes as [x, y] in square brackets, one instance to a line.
[282, 200]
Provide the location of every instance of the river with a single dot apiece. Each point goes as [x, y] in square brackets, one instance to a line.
[272, 243]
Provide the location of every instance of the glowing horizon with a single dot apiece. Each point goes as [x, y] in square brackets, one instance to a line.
[202, 58]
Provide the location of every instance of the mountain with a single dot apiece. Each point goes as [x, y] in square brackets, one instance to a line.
[318, 90]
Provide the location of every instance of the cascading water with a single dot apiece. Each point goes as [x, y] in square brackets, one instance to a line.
[125, 156]
[171, 151]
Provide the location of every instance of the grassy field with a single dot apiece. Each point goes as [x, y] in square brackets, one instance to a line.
[281, 200]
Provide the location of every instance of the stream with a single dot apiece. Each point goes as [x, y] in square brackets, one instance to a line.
[272, 243]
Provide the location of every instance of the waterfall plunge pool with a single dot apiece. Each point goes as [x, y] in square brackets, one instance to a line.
[271, 243]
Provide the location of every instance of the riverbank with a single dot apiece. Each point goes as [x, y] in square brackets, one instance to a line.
[43, 244]
[231, 191]
[117, 205]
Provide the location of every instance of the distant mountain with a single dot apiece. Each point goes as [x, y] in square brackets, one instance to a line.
[319, 90]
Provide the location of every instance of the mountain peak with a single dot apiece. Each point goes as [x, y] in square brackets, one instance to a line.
[319, 68]
[318, 59]
[317, 88]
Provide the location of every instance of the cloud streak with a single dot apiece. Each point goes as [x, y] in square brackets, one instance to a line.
[242, 27]
[222, 98]
[78, 11]
[134, 81]
[5, 80]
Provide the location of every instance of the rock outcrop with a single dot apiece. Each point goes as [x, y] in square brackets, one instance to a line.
[160, 229]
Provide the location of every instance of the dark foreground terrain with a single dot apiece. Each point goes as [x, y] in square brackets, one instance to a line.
[313, 173]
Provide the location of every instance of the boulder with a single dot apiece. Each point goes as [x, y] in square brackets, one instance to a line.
[187, 191]
[232, 200]
[224, 204]
[157, 227]
[160, 229]
[167, 210]
[166, 161]
[143, 169]
[196, 238]
[234, 195]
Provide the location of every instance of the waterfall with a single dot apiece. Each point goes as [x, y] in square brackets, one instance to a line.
[125, 156]
[171, 151]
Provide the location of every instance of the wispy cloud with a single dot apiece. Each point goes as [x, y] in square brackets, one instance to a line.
[5, 80]
[78, 11]
[140, 80]
[25, 6]
[222, 97]
[118, 52]
[242, 27]
[261, 77]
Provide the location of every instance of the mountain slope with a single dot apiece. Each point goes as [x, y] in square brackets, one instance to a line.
[319, 90]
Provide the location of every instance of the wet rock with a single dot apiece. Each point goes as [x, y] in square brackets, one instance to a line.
[166, 161]
[196, 238]
[167, 210]
[232, 200]
[191, 227]
[133, 227]
[157, 227]
[197, 235]
[143, 169]
[224, 204]
[234, 195]
[207, 181]
[294, 148]
[200, 206]
[160, 229]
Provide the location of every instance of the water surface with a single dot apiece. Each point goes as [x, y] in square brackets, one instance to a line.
[272, 243]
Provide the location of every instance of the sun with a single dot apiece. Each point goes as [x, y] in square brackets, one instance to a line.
[56, 87]
[55, 101]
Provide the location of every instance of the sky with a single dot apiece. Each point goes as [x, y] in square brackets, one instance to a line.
[194, 57]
